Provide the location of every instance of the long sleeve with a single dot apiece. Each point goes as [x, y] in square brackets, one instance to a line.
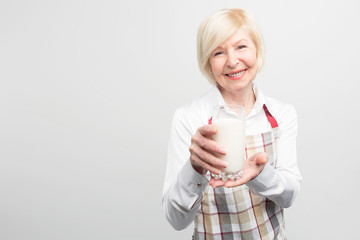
[183, 186]
[281, 184]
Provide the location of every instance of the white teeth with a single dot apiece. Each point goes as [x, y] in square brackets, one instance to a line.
[236, 74]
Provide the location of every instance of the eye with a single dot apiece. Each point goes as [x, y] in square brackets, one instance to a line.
[241, 46]
[218, 53]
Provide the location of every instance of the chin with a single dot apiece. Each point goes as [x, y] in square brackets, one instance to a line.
[239, 86]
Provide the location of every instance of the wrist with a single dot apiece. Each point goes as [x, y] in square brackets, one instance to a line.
[198, 169]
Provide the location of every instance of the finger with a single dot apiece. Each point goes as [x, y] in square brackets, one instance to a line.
[208, 144]
[205, 165]
[211, 181]
[208, 130]
[261, 158]
[217, 183]
[237, 182]
[207, 157]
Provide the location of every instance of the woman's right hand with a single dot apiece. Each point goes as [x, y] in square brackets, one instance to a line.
[203, 149]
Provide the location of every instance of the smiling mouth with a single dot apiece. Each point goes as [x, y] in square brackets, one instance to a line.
[236, 74]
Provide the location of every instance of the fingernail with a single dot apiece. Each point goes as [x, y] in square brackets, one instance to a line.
[222, 150]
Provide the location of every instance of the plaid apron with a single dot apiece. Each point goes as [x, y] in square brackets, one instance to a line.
[237, 213]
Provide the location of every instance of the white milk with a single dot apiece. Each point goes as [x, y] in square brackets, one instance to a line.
[231, 135]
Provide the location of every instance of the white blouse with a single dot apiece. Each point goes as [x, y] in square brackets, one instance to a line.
[183, 186]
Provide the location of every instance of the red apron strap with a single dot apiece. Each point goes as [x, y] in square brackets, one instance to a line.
[271, 119]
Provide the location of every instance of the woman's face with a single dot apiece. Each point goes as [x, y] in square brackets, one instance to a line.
[234, 63]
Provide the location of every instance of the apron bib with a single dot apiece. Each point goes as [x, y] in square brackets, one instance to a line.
[237, 213]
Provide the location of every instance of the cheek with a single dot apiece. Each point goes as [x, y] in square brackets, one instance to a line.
[251, 60]
[215, 67]
[254, 58]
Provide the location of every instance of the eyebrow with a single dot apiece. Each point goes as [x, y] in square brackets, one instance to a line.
[236, 43]
[242, 40]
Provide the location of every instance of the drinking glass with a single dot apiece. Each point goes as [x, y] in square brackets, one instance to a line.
[230, 123]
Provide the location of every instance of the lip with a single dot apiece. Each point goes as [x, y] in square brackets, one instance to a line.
[236, 77]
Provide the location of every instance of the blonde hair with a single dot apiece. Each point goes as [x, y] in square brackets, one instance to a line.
[217, 28]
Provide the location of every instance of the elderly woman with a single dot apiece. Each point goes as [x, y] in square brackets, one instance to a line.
[230, 54]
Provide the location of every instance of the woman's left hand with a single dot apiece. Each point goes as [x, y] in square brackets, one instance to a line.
[252, 168]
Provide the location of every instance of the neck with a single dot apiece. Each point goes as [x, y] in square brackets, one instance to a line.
[244, 97]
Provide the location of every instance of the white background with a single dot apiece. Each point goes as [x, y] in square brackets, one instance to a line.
[87, 93]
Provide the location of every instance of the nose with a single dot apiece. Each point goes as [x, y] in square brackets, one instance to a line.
[232, 60]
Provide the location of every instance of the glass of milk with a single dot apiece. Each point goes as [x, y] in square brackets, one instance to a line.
[230, 123]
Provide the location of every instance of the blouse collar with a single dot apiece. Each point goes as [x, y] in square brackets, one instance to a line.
[258, 106]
